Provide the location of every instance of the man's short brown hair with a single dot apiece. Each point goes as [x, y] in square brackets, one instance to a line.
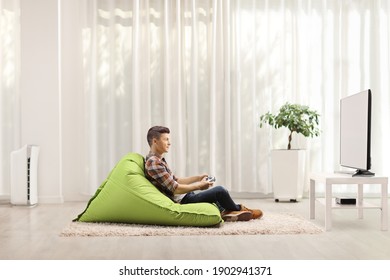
[155, 133]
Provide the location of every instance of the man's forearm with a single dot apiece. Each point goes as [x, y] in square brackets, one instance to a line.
[189, 180]
[186, 188]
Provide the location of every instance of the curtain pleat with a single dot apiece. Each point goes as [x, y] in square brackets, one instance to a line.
[9, 88]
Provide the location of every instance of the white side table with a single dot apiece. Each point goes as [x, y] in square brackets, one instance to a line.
[330, 179]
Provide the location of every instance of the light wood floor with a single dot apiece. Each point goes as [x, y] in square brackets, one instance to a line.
[33, 233]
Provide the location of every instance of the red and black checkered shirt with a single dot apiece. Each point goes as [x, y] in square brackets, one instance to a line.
[159, 174]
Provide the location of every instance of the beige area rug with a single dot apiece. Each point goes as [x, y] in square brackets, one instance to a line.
[271, 223]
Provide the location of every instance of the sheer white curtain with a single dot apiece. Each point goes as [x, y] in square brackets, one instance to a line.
[9, 87]
[209, 69]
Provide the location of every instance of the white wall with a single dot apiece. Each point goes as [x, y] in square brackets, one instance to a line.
[52, 102]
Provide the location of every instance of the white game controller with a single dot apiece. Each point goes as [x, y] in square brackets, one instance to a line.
[210, 179]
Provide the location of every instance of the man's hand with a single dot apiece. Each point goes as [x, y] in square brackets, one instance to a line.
[204, 184]
[194, 183]
[203, 177]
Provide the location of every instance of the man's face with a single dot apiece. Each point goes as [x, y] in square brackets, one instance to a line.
[162, 145]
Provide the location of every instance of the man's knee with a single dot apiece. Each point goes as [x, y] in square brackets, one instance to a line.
[221, 189]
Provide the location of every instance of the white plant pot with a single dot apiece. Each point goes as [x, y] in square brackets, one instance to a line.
[288, 173]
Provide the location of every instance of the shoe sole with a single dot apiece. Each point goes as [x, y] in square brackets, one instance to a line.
[242, 216]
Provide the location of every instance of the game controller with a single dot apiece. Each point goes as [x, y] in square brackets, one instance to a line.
[210, 179]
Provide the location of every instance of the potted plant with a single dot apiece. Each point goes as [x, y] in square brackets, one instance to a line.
[288, 166]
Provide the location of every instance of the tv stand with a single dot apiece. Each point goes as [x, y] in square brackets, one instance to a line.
[331, 179]
[363, 173]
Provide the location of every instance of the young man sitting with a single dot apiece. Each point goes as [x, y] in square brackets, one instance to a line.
[183, 190]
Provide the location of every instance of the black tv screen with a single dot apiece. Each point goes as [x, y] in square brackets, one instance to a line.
[355, 132]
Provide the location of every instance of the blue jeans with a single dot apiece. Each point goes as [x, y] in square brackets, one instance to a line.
[218, 195]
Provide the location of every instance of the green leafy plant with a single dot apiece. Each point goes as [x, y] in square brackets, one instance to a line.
[296, 118]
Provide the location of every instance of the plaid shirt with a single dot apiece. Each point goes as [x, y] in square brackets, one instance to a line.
[159, 174]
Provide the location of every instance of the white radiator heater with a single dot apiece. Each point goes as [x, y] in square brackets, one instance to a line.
[24, 173]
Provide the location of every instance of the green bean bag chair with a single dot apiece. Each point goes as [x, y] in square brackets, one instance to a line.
[126, 196]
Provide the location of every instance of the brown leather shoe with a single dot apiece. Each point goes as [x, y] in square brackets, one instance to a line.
[235, 216]
[256, 213]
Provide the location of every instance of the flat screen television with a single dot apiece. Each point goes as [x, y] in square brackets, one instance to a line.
[355, 132]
